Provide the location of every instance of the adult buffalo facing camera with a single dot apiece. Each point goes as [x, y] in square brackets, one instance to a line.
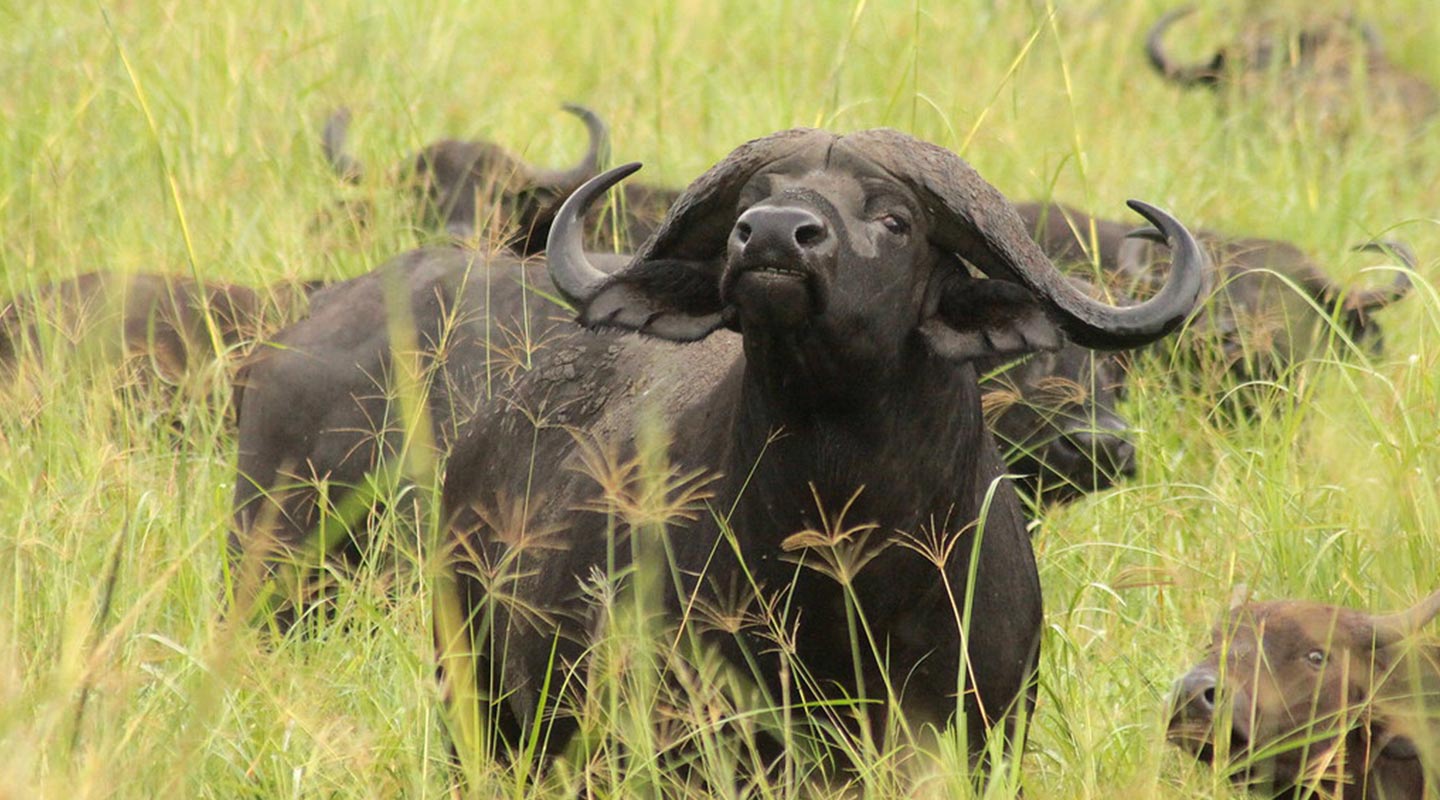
[1313, 699]
[809, 338]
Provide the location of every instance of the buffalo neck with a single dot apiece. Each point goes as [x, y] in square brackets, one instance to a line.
[908, 443]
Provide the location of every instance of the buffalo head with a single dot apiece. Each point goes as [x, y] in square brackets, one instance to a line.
[1304, 695]
[470, 186]
[1268, 305]
[841, 251]
[1054, 417]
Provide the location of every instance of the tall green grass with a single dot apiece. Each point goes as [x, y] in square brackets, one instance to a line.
[182, 136]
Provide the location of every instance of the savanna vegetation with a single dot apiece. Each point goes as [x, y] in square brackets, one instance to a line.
[183, 137]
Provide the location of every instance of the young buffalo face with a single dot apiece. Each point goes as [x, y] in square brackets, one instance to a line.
[1305, 696]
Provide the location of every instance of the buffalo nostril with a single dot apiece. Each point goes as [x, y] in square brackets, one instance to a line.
[809, 234]
[742, 231]
[1197, 693]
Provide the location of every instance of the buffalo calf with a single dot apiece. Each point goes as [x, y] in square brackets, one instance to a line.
[1317, 700]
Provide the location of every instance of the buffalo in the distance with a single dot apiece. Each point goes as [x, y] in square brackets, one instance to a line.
[479, 193]
[808, 351]
[1330, 68]
[1054, 417]
[1267, 304]
[1305, 699]
[162, 327]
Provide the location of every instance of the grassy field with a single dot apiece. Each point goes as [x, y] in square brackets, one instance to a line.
[182, 136]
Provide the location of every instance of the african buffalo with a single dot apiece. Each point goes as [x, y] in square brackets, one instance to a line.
[474, 188]
[844, 380]
[1322, 64]
[831, 332]
[1317, 700]
[460, 182]
[1267, 304]
[161, 322]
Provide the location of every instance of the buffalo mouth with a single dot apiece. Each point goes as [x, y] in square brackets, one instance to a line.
[1197, 736]
[780, 295]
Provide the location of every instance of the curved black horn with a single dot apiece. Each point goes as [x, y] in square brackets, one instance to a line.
[973, 220]
[1095, 324]
[1372, 299]
[1197, 74]
[570, 269]
[332, 141]
[595, 154]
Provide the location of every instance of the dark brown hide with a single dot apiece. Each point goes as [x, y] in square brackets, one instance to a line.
[1306, 697]
[318, 406]
[164, 324]
[1268, 305]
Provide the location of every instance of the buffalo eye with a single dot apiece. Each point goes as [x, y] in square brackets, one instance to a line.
[1315, 658]
[895, 223]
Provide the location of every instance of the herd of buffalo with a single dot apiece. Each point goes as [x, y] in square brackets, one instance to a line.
[838, 340]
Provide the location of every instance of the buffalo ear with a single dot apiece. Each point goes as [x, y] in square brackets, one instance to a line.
[988, 318]
[669, 299]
